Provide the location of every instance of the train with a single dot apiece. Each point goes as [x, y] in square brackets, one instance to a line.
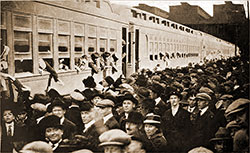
[81, 38]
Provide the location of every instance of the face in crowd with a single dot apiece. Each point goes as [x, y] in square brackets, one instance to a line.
[128, 106]
[202, 103]
[174, 100]
[150, 129]
[132, 128]
[58, 111]
[191, 101]
[8, 116]
[113, 149]
[53, 134]
[87, 116]
[96, 99]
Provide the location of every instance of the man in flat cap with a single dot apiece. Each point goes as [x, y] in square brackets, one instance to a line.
[239, 111]
[114, 141]
[205, 125]
[176, 124]
[104, 107]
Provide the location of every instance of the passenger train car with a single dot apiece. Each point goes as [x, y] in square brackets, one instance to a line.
[112, 39]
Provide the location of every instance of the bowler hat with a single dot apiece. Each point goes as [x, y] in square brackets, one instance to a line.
[203, 96]
[58, 103]
[237, 106]
[151, 118]
[86, 106]
[221, 134]
[109, 80]
[114, 137]
[114, 58]
[50, 121]
[135, 117]
[129, 97]
[143, 92]
[89, 82]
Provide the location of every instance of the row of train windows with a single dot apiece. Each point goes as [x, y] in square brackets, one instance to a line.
[171, 47]
[172, 56]
[23, 49]
[22, 43]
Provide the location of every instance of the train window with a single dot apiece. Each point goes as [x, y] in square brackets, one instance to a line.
[151, 47]
[156, 47]
[63, 43]
[22, 41]
[44, 42]
[64, 63]
[45, 25]
[151, 57]
[164, 47]
[79, 44]
[156, 57]
[91, 44]
[113, 45]
[22, 66]
[22, 21]
[63, 27]
[103, 45]
[3, 20]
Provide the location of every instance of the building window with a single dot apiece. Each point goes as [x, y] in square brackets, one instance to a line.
[113, 46]
[23, 66]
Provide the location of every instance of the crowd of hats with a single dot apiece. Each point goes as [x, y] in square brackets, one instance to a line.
[213, 82]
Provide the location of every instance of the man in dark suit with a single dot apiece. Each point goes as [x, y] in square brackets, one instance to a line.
[59, 109]
[87, 136]
[73, 113]
[176, 125]
[53, 131]
[205, 125]
[105, 108]
[12, 135]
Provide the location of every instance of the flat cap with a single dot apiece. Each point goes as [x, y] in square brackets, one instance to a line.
[105, 103]
[77, 96]
[114, 137]
[201, 150]
[206, 90]
[236, 106]
[203, 96]
[225, 97]
[232, 124]
[39, 107]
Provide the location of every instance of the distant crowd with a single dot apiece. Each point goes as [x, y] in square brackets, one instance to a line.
[198, 108]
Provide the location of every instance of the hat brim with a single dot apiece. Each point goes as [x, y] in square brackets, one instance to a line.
[218, 139]
[111, 143]
[235, 111]
[151, 122]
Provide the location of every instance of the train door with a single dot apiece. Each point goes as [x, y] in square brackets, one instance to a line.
[124, 51]
[137, 50]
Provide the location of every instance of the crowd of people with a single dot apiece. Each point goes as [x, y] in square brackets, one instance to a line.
[198, 108]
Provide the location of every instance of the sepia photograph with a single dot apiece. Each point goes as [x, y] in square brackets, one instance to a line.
[124, 76]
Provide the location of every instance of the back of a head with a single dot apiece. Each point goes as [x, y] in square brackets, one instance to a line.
[37, 147]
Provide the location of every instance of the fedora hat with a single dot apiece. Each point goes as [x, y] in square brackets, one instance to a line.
[151, 118]
[221, 134]
[135, 117]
